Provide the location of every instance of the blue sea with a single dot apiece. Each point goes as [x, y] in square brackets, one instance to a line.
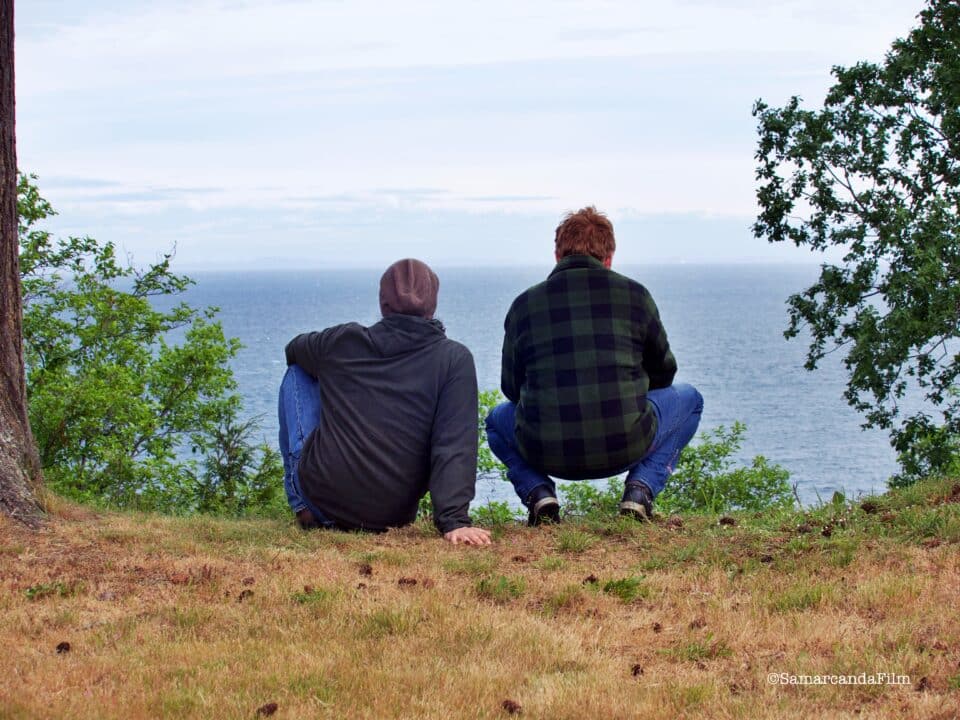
[725, 325]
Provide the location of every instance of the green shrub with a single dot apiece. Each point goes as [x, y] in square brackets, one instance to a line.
[487, 463]
[587, 500]
[123, 415]
[706, 480]
[495, 514]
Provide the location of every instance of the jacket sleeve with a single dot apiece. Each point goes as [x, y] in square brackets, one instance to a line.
[306, 350]
[453, 459]
[658, 360]
[511, 368]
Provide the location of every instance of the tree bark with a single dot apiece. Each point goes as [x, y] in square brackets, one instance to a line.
[20, 477]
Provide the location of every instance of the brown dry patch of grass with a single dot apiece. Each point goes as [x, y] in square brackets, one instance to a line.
[169, 617]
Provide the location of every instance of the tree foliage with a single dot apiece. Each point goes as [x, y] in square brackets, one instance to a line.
[874, 174]
[122, 413]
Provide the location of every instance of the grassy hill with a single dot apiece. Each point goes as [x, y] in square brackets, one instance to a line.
[107, 615]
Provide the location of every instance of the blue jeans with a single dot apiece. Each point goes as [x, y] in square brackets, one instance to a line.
[678, 410]
[299, 411]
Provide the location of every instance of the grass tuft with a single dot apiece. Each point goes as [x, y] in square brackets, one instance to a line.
[470, 565]
[551, 562]
[572, 540]
[627, 589]
[389, 622]
[700, 650]
[315, 596]
[50, 589]
[802, 596]
[500, 589]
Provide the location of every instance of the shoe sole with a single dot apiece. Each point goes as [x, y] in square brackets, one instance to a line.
[635, 510]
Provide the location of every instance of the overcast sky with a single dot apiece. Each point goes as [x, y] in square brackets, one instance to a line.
[270, 133]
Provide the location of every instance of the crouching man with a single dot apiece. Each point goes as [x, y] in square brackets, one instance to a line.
[588, 374]
[371, 418]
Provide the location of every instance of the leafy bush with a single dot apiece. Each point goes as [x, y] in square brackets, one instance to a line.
[495, 513]
[705, 480]
[587, 500]
[121, 414]
[487, 462]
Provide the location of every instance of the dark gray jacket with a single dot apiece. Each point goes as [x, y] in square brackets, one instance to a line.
[399, 417]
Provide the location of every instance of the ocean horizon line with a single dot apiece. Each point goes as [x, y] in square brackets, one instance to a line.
[262, 268]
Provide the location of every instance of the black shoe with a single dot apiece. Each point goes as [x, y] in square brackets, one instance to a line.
[637, 501]
[543, 506]
[306, 520]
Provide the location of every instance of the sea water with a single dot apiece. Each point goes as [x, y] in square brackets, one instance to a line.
[725, 325]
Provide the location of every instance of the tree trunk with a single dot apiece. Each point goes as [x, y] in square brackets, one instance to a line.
[20, 476]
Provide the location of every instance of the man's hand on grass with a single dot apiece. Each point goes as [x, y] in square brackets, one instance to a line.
[468, 536]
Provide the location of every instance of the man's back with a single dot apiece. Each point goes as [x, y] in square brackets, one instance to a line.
[580, 352]
[398, 417]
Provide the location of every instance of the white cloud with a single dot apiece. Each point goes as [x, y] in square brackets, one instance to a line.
[494, 106]
[205, 41]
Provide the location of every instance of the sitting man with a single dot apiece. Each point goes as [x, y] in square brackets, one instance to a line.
[588, 374]
[371, 418]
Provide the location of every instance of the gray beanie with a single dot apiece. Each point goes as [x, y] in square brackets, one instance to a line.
[409, 287]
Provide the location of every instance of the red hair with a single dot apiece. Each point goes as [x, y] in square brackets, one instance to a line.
[585, 232]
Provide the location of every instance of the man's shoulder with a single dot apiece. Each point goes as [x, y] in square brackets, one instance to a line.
[341, 327]
[560, 284]
[347, 328]
[334, 334]
[625, 281]
[457, 350]
[531, 295]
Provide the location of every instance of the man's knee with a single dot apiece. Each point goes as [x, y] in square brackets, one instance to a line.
[500, 428]
[296, 374]
[501, 418]
[690, 397]
[292, 378]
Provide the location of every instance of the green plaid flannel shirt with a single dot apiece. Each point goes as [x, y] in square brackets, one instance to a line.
[580, 352]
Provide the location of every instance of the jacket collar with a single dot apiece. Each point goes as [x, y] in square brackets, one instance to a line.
[576, 262]
[413, 323]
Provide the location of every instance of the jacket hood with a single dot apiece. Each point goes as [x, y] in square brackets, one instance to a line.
[401, 334]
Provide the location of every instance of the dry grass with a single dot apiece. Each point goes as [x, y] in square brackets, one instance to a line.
[205, 618]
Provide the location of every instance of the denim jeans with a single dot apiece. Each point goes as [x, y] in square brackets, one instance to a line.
[678, 409]
[299, 411]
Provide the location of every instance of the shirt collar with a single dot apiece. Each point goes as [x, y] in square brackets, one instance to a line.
[571, 262]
